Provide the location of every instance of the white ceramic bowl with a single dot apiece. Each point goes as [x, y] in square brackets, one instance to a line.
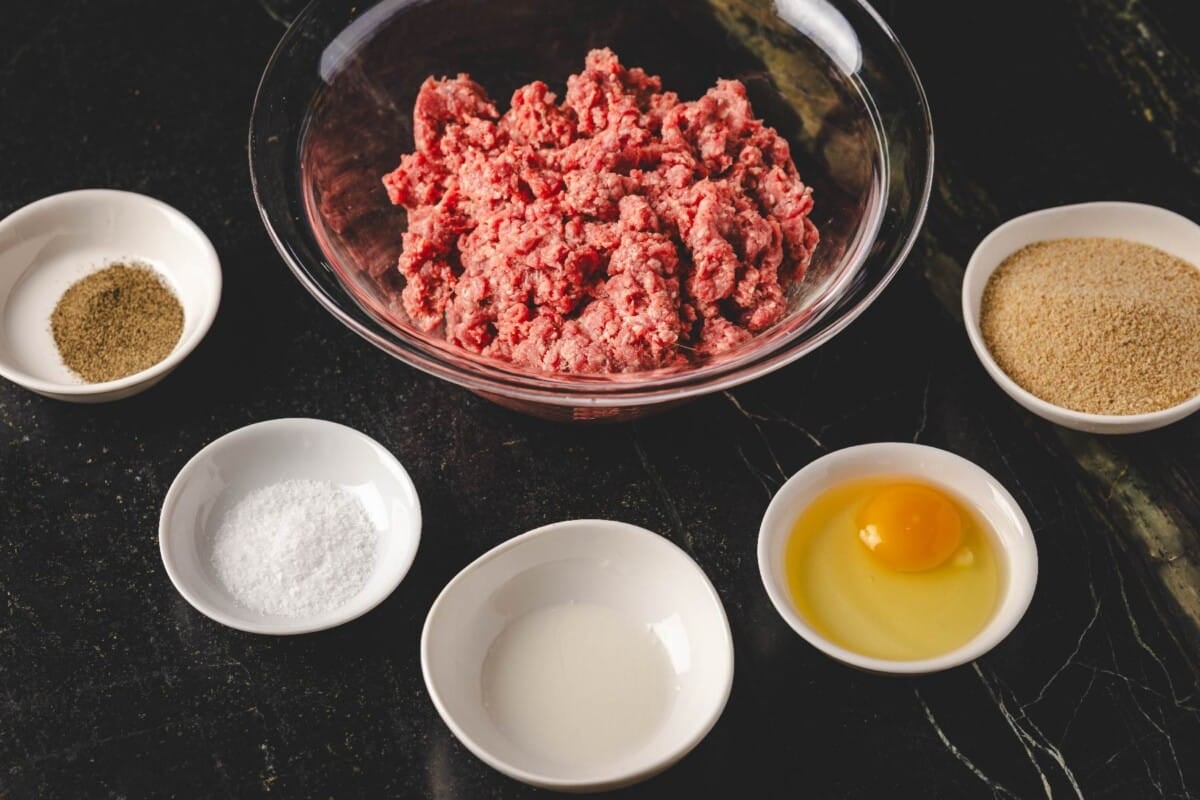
[265, 453]
[971, 484]
[52, 243]
[1136, 222]
[641, 576]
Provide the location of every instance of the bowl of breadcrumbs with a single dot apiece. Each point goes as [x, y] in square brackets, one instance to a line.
[1089, 315]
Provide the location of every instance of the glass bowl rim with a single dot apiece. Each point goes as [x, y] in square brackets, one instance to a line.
[602, 391]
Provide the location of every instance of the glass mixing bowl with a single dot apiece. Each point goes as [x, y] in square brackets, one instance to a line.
[334, 114]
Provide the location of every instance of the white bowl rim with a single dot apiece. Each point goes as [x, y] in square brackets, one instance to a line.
[598, 782]
[1110, 423]
[282, 627]
[183, 348]
[1023, 559]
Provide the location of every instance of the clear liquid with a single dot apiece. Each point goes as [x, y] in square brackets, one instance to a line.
[577, 683]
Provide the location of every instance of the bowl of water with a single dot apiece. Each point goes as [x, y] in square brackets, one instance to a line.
[580, 656]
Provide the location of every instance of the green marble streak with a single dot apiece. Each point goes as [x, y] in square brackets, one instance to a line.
[1165, 545]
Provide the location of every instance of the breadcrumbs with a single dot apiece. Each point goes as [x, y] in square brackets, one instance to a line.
[1102, 326]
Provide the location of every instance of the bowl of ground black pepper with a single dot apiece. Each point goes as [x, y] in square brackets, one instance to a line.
[102, 293]
[1089, 315]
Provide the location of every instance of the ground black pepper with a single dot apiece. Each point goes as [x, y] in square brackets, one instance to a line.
[115, 322]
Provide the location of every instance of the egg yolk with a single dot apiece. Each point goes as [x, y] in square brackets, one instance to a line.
[910, 528]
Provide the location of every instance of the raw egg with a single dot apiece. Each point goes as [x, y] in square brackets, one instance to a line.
[893, 568]
[910, 527]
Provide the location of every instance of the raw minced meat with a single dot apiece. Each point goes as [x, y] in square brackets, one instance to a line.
[619, 230]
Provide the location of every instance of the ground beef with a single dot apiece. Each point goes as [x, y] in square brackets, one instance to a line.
[619, 230]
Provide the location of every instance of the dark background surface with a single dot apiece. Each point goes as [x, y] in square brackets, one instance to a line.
[112, 686]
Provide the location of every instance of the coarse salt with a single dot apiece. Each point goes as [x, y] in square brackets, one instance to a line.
[295, 549]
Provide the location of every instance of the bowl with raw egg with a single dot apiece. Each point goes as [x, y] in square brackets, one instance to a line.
[897, 558]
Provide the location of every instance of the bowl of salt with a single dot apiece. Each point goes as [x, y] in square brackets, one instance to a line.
[289, 526]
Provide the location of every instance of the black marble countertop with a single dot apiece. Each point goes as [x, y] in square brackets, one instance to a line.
[111, 685]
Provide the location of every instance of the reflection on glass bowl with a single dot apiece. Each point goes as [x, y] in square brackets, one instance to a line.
[334, 114]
